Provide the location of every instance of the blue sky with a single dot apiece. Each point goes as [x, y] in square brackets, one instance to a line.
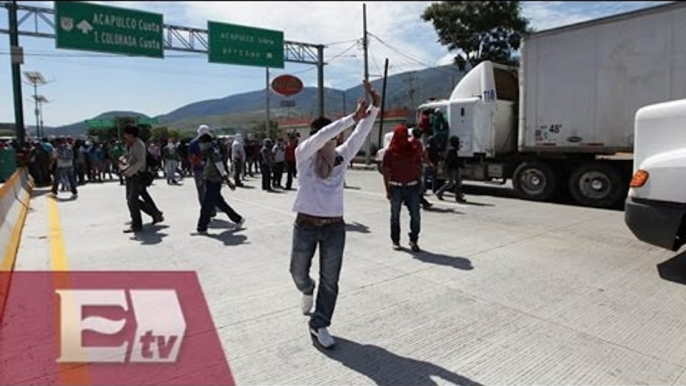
[82, 87]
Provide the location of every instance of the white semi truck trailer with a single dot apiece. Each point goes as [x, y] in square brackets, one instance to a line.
[564, 120]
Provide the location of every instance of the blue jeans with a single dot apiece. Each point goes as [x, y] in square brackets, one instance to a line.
[331, 241]
[213, 199]
[62, 172]
[410, 196]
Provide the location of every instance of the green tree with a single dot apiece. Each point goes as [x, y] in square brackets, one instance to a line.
[274, 131]
[481, 30]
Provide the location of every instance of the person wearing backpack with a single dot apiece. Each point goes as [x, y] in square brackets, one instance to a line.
[64, 159]
[134, 169]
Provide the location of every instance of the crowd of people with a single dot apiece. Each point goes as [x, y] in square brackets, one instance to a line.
[320, 164]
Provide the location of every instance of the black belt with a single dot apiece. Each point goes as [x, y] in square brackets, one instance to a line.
[318, 221]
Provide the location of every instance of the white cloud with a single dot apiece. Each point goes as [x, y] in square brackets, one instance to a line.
[447, 59]
[551, 14]
[398, 24]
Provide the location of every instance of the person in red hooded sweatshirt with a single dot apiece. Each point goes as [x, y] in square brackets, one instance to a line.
[402, 165]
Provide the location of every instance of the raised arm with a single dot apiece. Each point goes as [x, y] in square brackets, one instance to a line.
[350, 148]
[311, 145]
[354, 143]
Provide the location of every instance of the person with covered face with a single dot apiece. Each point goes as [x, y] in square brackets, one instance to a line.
[402, 166]
[322, 164]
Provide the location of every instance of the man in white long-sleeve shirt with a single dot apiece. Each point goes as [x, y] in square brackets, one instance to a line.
[319, 203]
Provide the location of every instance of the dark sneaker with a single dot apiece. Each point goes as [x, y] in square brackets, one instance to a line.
[397, 247]
[415, 247]
[133, 230]
[158, 219]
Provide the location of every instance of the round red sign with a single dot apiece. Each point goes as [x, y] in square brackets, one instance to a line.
[287, 85]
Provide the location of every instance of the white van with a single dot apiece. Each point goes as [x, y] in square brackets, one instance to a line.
[656, 206]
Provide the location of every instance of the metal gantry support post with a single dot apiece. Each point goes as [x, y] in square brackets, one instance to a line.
[16, 73]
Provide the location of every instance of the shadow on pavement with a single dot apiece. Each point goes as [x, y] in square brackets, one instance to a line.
[674, 269]
[353, 188]
[384, 368]
[38, 192]
[436, 209]
[244, 186]
[221, 224]
[445, 260]
[151, 235]
[357, 227]
[229, 237]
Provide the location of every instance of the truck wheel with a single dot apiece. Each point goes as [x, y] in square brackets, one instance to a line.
[535, 181]
[598, 185]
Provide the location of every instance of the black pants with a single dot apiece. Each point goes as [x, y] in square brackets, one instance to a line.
[138, 199]
[266, 176]
[278, 173]
[238, 169]
[291, 172]
[213, 198]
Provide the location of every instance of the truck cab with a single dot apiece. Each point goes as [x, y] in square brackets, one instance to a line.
[656, 206]
[481, 111]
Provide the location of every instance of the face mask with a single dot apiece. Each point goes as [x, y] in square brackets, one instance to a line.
[205, 146]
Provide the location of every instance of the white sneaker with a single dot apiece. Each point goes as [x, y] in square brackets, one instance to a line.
[307, 303]
[323, 337]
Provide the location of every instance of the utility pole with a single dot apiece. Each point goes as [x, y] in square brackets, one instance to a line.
[267, 94]
[383, 102]
[320, 79]
[365, 45]
[411, 90]
[17, 60]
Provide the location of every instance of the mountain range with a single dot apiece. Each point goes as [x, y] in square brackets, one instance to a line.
[242, 111]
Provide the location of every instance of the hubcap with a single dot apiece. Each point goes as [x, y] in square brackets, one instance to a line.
[533, 182]
[594, 185]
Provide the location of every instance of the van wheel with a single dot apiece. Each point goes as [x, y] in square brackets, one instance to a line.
[535, 181]
[598, 185]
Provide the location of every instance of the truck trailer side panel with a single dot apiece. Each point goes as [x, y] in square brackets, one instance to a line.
[581, 86]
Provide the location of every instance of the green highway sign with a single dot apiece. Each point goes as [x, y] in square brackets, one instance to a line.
[91, 27]
[235, 44]
[100, 123]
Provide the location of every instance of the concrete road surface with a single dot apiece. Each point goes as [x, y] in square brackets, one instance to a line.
[505, 292]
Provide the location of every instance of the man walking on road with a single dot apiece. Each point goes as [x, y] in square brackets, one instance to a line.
[290, 161]
[319, 206]
[134, 169]
[171, 161]
[266, 164]
[402, 164]
[238, 155]
[64, 157]
[279, 152]
[213, 174]
[452, 166]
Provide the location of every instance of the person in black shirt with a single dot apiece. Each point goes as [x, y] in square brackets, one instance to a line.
[452, 167]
